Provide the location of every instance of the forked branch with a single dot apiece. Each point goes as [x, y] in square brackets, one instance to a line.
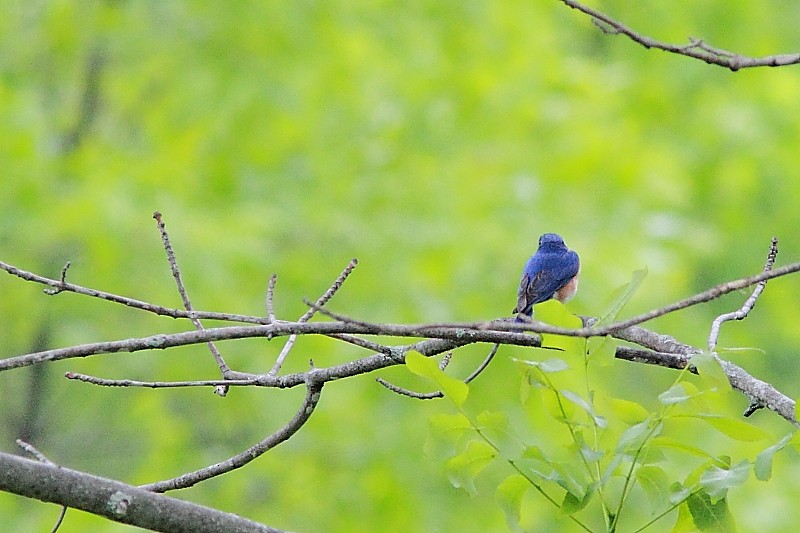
[696, 48]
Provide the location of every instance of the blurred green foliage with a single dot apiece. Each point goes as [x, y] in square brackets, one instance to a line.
[432, 140]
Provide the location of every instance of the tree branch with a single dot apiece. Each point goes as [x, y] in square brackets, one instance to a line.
[222, 390]
[115, 500]
[696, 48]
[313, 391]
[742, 312]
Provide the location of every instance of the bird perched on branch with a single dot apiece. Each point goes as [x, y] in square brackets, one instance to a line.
[552, 272]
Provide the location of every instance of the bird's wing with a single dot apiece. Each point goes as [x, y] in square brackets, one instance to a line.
[533, 290]
[547, 277]
[568, 267]
[523, 305]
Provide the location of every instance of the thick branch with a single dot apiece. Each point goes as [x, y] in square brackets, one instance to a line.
[115, 500]
[667, 352]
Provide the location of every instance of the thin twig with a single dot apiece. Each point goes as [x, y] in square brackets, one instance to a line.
[54, 291]
[748, 305]
[161, 384]
[705, 296]
[270, 295]
[39, 456]
[483, 365]
[696, 48]
[363, 343]
[63, 286]
[331, 314]
[418, 395]
[35, 453]
[221, 390]
[438, 394]
[313, 391]
[326, 296]
[410, 393]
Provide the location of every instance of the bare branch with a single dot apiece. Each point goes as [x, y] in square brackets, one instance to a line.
[497, 325]
[363, 343]
[706, 296]
[439, 338]
[326, 296]
[221, 390]
[696, 48]
[451, 337]
[410, 393]
[760, 392]
[748, 305]
[115, 500]
[31, 449]
[161, 384]
[63, 286]
[39, 456]
[270, 295]
[64, 269]
[483, 365]
[313, 391]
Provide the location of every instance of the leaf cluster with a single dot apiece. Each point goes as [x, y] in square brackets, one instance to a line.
[602, 462]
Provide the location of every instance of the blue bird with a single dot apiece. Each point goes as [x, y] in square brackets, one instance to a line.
[552, 272]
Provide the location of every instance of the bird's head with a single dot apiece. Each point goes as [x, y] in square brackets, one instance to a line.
[551, 240]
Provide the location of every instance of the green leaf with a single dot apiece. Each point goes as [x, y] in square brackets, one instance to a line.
[676, 394]
[602, 350]
[716, 481]
[509, 495]
[495, 420]
[549, 366]
[464, 467]
[557, 409]
[684, 523]
[585, 449]
[454, 389]
[673, 444]
[570, 477]
[634, 437]
[555, 313]
[678, 493]
[733, 427]
[655, 484]
[599, 420]
[534, 461]
[497, 429]
[621, 296]
[709, 368]
[795, 440]
[572, 504]
[710, 516]
[762, 467]
[625, 410]
[446, 430]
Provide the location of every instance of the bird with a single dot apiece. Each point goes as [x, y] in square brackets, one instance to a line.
[552, 272]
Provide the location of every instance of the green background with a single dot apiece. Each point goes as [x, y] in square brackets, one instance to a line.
[434, 141]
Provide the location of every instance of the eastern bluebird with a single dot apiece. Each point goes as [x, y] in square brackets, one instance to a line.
[552, 272]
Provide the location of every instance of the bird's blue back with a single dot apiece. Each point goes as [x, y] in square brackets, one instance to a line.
[549, 269]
